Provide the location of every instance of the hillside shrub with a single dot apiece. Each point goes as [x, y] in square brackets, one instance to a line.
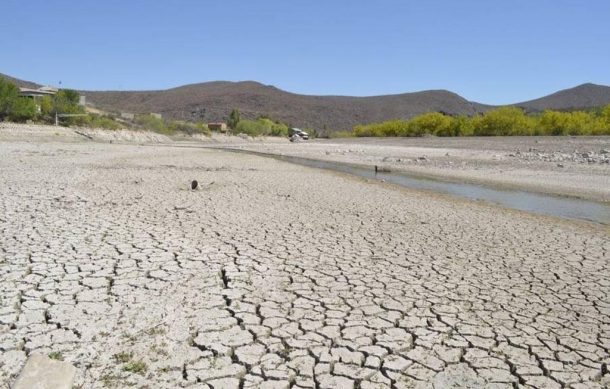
[152, 123]
[98, 121]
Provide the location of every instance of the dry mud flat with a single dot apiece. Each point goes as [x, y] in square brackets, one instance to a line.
[571, 166]
[273, 275]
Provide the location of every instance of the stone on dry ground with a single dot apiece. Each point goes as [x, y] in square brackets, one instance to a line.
[273, 276]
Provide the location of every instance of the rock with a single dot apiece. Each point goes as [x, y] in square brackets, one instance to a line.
[41, 372]
[603, 151]
[194, 184]
[559, 165]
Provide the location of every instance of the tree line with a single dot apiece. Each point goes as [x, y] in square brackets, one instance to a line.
[503, 121]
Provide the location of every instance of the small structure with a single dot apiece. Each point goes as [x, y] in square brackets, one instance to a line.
[38, 92]
[127, 115]
[218, 126]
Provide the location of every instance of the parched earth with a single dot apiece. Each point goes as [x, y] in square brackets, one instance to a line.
[274, 276]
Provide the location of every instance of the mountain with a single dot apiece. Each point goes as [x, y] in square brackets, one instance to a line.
[213, 101]
[584, 96]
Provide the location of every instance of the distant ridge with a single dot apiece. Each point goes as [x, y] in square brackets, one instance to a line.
[584, 96]
[212, 101]
[21, 83]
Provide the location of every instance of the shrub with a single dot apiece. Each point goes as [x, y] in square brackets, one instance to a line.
[504, 121]
[261, 127]
[251, 127]
[464, 126]
[234, 119]
[97, 121]
[23, 109]
[387, 128]
[9, 93]
[189, 128]
[153, 123]
[138, 367]
[430, 123]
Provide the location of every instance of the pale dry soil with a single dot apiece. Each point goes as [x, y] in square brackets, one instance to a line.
[564, 165]
[272, 275]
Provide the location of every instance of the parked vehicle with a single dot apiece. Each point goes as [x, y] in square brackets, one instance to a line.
[292, 132]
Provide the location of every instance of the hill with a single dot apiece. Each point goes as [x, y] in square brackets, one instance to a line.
[20, 83]
[584, 96]
[213, 101]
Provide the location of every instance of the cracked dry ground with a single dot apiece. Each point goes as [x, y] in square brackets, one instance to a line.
[278, 276]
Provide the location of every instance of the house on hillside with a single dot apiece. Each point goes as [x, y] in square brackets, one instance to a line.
[37, 93]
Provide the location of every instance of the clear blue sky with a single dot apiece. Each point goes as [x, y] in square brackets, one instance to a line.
[489, 51]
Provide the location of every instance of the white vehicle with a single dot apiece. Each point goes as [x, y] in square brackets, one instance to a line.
[297, 132]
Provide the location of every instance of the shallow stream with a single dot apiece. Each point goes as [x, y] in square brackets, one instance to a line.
[564, 207]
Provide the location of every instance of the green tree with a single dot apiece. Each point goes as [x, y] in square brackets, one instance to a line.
[46, 106]
[9, 93]
[23, 109]
[251, 127]
[430, 123]
[233, 119]
[66, 101]
[463, 125]
[605, 115]
[504, 121]
[553, 123]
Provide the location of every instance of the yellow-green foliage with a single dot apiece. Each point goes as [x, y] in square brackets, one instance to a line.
[189, 128]
[12, 106]
[152, 123]
[261, 127]
[97, 121]
[387, 128]
[430, 123]
[504, 121]
[341, 134]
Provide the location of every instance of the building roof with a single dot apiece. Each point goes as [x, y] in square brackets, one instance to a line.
[44, 91]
